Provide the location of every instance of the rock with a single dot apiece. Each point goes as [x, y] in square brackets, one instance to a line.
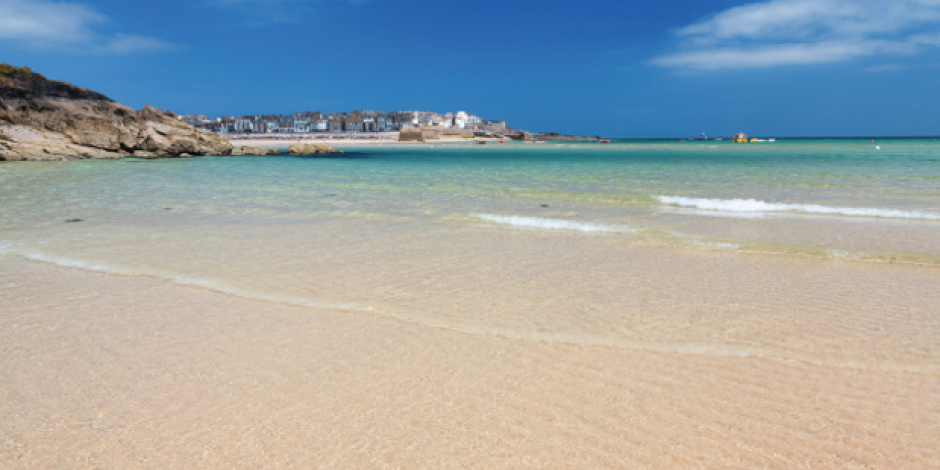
[311, 149]
[45, 119]
[246, 150]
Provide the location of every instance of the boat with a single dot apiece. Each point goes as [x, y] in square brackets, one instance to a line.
[540, 141]
[739, 137]
[702, 137]
[481, 142]
[605, 141]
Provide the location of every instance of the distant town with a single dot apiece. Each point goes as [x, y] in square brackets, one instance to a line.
[359, 121]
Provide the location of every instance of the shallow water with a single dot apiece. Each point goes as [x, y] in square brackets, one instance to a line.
[104, 371]
[822, 251]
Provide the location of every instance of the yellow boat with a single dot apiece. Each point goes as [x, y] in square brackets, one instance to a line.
[739, 137]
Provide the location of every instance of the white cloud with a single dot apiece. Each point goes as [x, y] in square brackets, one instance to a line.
[127, 43]
[43, 24]
[784, 32]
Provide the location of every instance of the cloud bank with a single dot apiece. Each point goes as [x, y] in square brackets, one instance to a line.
[43, 24]
[787, 32]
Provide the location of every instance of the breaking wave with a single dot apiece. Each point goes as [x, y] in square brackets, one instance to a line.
[552, 224]
[755, 206]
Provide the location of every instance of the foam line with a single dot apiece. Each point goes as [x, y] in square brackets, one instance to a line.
[755, 206]
[551, 224]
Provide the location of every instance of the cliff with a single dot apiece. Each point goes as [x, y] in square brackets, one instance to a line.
[42, 119]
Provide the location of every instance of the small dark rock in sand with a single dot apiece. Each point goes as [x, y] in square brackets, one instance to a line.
[72, 221]
[544, 205]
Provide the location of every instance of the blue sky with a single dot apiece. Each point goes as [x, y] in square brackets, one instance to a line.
[616, 68]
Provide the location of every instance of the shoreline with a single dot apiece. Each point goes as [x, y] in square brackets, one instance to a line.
[349, 141]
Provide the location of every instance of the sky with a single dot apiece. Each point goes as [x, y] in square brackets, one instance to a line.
[672, 68]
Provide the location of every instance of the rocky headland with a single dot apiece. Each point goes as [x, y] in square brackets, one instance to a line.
[42, 119]
[311, 149]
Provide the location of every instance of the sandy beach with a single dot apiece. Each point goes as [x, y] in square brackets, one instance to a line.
[368, 140]
[103, 371]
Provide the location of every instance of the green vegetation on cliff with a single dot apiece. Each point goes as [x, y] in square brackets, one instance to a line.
[21, 82]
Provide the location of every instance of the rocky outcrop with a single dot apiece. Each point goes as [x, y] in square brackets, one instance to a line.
[557, 136]
[311, 149]
[258, 151]
[41, 119]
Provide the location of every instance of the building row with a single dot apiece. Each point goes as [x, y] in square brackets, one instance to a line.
[356, 121]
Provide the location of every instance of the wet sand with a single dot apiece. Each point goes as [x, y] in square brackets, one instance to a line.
[106, 371]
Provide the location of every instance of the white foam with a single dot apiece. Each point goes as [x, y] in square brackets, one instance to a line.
[843, 254]
[552, 224]
[707, 244]
[75, 263]
[755, 206]
[226, 289]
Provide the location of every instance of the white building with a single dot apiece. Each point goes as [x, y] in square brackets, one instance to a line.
[301, 125]
[460, 120]
[244, 124]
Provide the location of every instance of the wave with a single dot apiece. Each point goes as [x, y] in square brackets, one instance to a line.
[552, 224]
[755, 206]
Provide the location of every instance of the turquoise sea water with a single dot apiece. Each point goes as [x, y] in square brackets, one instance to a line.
[579, 242]
[829, 195]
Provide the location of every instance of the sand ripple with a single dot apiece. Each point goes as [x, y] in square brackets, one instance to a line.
[103, 371]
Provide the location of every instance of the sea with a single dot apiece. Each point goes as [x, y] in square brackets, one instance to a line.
[818, 250]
